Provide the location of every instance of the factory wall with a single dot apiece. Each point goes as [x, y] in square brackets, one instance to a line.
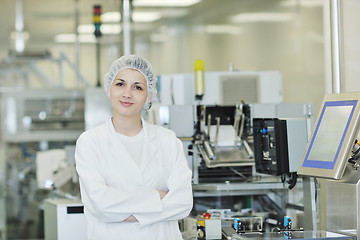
[351, 38]
[294, 48]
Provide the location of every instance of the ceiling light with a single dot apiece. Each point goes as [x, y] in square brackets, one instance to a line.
[223, 29]
[145, 16]
[65, 38]
[164, 3]
[110, 28]
[137, 16]
[105, 28]
[110, 17]
[87, 38]
[86, 28]
[71, 37]
[261, 17]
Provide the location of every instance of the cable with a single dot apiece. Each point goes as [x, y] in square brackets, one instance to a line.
[283, 178]
[317, 187]
[238, 173]
[293, 180]
[25, 152]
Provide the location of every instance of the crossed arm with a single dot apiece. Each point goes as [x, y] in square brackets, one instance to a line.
[131, 218]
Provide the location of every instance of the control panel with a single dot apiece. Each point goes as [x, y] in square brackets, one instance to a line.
[270, 145]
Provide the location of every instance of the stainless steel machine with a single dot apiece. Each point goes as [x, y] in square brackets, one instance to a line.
[216, 131]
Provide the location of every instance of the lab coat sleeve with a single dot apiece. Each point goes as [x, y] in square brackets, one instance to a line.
[178, 203]
[106, 203]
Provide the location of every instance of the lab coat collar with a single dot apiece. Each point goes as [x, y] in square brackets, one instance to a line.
[148, 131]
[150, 147]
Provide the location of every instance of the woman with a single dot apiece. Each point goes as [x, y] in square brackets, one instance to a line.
[134, 178]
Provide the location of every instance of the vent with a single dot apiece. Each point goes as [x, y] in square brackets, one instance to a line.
[235, 88]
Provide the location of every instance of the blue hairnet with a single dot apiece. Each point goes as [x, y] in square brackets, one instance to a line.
[133, 62]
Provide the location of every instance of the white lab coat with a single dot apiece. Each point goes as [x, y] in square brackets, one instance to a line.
[113, 186]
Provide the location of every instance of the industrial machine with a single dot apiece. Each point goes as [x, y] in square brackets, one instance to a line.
[38, 133]
[220, 141]
[216, 128]
[215, 124]
[331, 157]
[221, 134]
[40, 122]
[324, 235]
[286, 231]
[219, 137]
[221, 88]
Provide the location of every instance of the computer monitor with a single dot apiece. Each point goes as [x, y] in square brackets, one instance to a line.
[333, 136]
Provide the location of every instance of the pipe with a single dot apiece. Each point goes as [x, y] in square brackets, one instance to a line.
[77, 44]
[209, 125]
[98, 76]
[336, 50]
[19, 27]
[126, 18]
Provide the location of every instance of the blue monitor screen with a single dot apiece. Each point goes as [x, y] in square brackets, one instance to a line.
[329, 134]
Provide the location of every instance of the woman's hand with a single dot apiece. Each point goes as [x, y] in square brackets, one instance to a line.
[162, 193]
[131, 218]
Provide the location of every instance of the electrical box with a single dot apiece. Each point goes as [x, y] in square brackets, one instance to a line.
[279, 144]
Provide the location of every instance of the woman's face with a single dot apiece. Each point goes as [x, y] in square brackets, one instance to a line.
[128, 93]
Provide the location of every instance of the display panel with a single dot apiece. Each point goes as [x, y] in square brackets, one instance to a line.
[333, 136]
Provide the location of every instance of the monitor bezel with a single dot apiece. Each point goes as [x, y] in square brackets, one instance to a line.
[333, 169]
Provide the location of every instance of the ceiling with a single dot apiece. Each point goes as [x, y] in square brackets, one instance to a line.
[44, 19]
